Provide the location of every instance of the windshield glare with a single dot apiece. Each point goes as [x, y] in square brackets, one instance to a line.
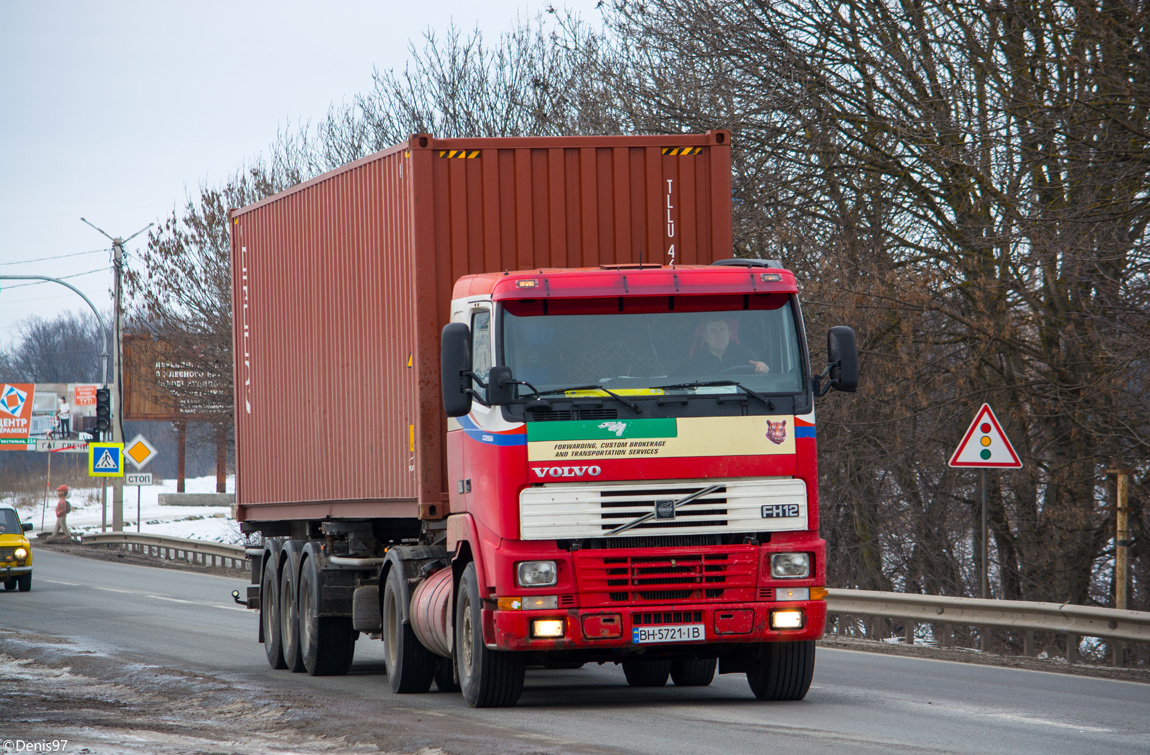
[757, 348]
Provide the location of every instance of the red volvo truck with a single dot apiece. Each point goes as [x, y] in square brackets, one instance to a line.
[511, 402]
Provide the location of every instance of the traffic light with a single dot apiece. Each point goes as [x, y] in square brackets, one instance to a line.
[103, 412]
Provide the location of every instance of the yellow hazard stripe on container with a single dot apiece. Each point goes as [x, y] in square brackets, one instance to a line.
[680, 151]
[462, 154]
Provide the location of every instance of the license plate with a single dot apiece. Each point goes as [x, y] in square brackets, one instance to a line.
[676, 633]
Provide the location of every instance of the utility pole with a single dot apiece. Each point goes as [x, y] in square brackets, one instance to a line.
[117, 367]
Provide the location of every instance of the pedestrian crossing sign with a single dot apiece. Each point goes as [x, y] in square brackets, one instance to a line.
[105, 459]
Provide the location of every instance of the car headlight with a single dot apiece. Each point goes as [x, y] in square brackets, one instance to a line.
[790, 565]
[537, 573]
[21, 553]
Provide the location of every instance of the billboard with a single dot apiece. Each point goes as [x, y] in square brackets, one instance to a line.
[33, 411]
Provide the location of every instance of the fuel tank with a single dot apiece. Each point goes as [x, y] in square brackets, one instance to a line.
[431, 612]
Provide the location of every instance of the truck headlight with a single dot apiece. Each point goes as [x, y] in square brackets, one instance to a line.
[537, 573]
[790, 565]
[21, 554]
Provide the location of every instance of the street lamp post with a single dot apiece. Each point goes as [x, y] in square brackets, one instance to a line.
[117, 395]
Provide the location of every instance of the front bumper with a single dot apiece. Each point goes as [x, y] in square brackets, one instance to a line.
[8, 571]
[614, 628]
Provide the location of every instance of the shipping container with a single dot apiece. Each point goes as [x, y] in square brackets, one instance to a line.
[342, 285]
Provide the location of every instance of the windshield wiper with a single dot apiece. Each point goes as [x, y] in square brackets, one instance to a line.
[674, 506]
[634, 406]
[714, 383]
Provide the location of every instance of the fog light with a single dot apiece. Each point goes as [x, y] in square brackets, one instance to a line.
[790, 565]
[787, 619]
[537, 573]
[548, 627]
[792, 593]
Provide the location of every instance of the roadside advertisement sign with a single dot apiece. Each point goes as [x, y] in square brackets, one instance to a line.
[16, 414]
[84, 395]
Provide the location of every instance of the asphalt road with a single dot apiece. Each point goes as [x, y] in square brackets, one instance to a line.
[129, 658]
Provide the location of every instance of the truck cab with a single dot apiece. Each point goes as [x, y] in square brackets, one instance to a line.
[632, 452]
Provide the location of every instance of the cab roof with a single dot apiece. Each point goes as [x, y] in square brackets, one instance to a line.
[628, 280]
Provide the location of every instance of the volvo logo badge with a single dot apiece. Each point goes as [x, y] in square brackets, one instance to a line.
[664, 509]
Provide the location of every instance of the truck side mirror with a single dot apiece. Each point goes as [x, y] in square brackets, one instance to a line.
[27, 526]
[455, 368]
[843, 355]
[500, 386]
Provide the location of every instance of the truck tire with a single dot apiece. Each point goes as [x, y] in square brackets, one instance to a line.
[782, 670]
[269, 616]
[487, 678]
[288, 610]
[10, 584]
[410, 666]
[445, 676]
[693, 672]
[327, 642]
[645, 673]
[24, 582]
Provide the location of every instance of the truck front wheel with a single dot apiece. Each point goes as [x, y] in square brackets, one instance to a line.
[488, 678]
[782, 670]
[410, 666]
[269, 616]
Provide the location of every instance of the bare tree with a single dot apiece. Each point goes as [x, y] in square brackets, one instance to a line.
[968, 183]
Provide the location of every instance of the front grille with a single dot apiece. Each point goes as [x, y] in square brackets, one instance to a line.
[564, 415]
[6, 552]
[590, 510]
[589, 414]
[606, 577]
[549, 415]
[671, 541]
[657, 618]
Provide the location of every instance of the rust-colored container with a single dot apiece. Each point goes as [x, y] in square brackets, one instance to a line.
[342, 284]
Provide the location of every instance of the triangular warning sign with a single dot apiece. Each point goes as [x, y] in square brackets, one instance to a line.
[985, 445]
[106, 461]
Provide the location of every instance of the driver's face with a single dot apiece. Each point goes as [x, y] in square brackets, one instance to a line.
[717, 335]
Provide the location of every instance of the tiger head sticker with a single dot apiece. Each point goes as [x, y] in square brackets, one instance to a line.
[777, 432]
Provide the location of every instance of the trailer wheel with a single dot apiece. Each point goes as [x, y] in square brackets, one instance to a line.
[693, 672]
[288, 610]
[488, 678]
[327, 642]
[410, 666]
[782, 670]
[645, 673]
[445, 676]
[269, 616]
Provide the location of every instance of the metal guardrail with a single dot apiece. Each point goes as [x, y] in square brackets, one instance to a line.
[1027, 616]
[1060, 618]
[173, 548]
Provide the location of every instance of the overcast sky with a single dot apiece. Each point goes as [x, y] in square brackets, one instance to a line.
[115, 110]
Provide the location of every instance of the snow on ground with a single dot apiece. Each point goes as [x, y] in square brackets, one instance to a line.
[210, 523]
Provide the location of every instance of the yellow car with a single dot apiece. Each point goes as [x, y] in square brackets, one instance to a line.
[15, 551]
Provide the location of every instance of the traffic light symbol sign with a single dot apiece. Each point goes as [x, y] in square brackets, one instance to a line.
[985, 444]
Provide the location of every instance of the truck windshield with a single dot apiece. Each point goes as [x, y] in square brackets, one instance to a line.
[667, 351]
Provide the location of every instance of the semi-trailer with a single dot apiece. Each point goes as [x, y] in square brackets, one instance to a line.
[504, 402]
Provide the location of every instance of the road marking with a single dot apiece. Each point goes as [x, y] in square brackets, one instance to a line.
[60, 582]
[179, 600]
[113, 589]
